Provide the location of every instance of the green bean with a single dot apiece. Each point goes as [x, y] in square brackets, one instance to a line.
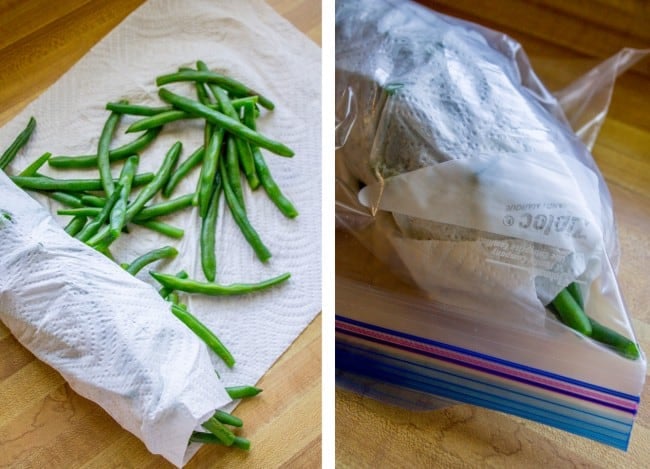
[216, 117]
[71, 185]
[574, 291]
[20, 141]
[232, 169]
[89, 200]
[164, 208]
[75, 225]
[570, 313]
[139, 110]
[118, 213]
[193, 286]
[209, 170]
[229, 84]
[208, 233]
[182, 170]
[202, 94]
[66, 198]
[173, 298]
[91, 228]
[148, 192]
[158, 120]
[164, 291]
[162, 228]
[228, 419]
[243, 148]
[103, 148]
[241, 219]
[240, 392]
[165, 252]
[81, 211]
[609, 337]
[117, 154]
[270, 186]
[36, 165]
[205, 334]
[209, 438]
[219, 430]
[136, 110]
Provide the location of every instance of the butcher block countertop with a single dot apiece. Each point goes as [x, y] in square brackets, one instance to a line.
[578, 34]
[43, 423]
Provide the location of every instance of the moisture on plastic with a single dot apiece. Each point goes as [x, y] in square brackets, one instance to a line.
[462, 174]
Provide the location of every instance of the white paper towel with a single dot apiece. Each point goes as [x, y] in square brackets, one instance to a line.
[110, 336]
[250, 42]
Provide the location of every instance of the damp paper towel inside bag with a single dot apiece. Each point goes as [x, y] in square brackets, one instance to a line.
[247, 41]
[470, 155]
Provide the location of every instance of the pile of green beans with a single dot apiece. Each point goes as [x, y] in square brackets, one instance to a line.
[102, 208]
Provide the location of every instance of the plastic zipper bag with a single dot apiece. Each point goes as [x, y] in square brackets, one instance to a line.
[462, 175]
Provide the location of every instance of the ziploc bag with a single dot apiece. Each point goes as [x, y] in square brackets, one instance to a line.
[488, 222]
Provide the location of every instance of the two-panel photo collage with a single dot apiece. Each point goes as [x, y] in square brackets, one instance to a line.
[324, 234]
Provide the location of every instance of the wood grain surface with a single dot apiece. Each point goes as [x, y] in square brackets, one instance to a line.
[578, 34]
[43, 423]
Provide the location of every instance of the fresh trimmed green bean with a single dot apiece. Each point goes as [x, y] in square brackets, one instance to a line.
[136, 109]
[173, 298]
[151, 189]
[165, 252]
[228, 419]
[241, 219]
[117, 154]
[570, 313]
[574, 290]
[209, 438]
[232, 169]
[219, 430]
[209, 170]
[90, 200]
[72, 185]
[208, 233]
[164, 291]
[103, 149]
[233, 86]
[118, 214]
[618, 342]
[81, 211]
[20, 141]
[139, 110]
[148, 192]
[205, 334]
[75, 225]
[36, 165]
[220, 119]
[241, 392]
[193, 286]
[158, 120]
[243, 149]
[202, 94]
[91, 228]
[164, 208]
[66, 198]
[182, 170]
[162, 228]
[270, 186]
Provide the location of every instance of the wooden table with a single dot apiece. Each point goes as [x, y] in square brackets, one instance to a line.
[43, 423]
[371, 434]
